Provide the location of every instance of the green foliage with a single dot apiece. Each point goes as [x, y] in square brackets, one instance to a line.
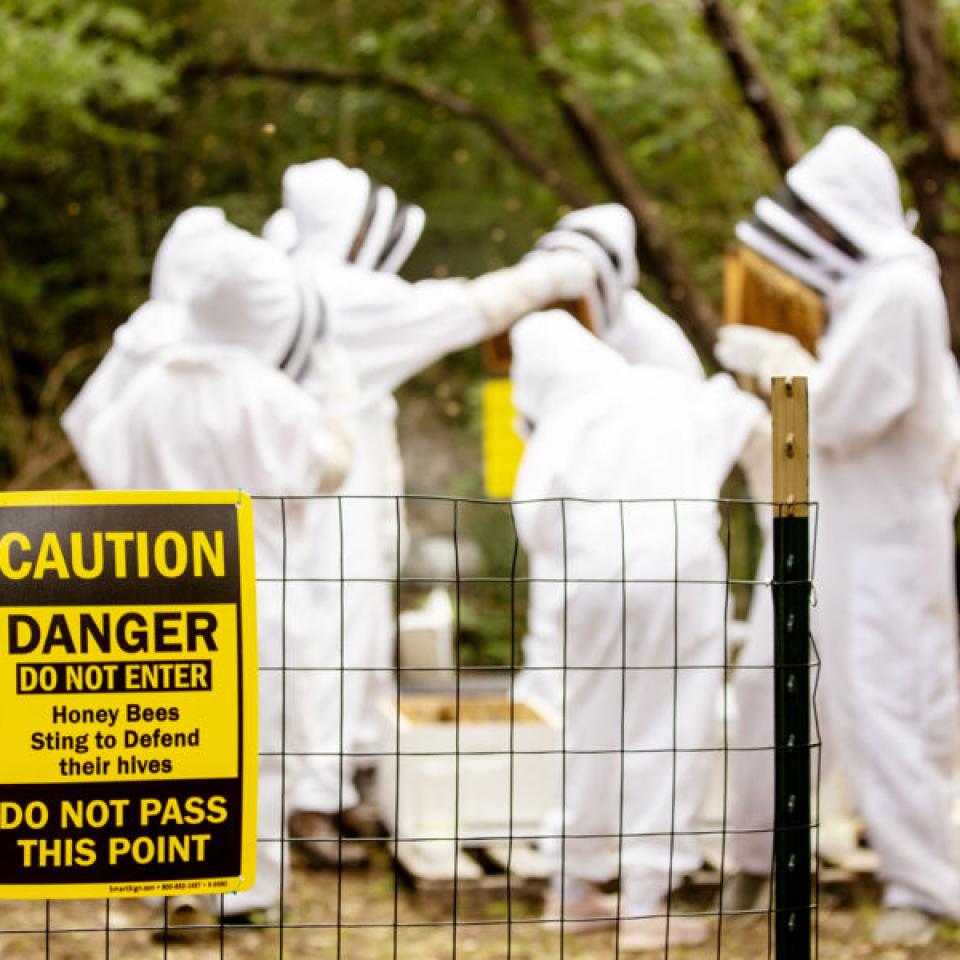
[114, 116]
[80, 87]
[68, 70]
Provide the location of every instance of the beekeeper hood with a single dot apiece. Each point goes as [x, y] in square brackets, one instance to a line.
[839, 208]
[154, 326]
[249, 294]
[852, 184]
[554, 362]
[606, 234]
[340, 212]
[181, 253]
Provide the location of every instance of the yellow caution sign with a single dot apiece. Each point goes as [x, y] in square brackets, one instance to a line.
[128, 694]
[502, 445]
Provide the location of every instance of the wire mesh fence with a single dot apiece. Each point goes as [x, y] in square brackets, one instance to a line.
[550, 728]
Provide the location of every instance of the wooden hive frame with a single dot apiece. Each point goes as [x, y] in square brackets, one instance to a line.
[758, 293]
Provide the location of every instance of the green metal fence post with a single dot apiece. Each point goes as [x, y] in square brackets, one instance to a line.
[791, 597]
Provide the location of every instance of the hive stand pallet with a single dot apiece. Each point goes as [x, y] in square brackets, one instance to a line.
[479, 869]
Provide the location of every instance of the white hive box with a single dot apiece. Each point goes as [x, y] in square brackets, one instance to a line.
[420, 801]
[425, 641]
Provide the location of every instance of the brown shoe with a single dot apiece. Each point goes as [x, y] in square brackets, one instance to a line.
[318, 838]
[363, 820]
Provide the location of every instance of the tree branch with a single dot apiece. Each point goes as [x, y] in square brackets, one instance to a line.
[523, 153]
[657, 248]
[779, 134]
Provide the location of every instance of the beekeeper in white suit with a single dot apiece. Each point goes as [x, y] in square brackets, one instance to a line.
[351, 234]
[221, 409]
[880, 442]
[347, 230]
[641, 334]
[644, 586]
[156, 324]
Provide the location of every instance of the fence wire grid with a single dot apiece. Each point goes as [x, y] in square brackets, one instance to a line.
[472, 749]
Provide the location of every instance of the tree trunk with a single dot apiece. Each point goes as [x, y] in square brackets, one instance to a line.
[932, 169]
[779, 134]
[657, 248]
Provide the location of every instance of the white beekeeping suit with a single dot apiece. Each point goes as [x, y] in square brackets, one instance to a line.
[215, 411]
[153, 326]
[642, 587]
[612, 225]
[881, 444]
[350, 234]
[640, 333]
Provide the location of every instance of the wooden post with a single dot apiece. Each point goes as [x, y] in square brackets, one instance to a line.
[791, 597]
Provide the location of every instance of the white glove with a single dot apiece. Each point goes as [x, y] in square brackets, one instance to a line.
[330, 378]
[338, 459]
[331, 382]
[505, 296]
[761, 353]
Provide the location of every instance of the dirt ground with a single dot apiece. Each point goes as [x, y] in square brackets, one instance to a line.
[368, 902]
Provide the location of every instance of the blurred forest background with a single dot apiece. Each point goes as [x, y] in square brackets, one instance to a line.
[495, 115]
